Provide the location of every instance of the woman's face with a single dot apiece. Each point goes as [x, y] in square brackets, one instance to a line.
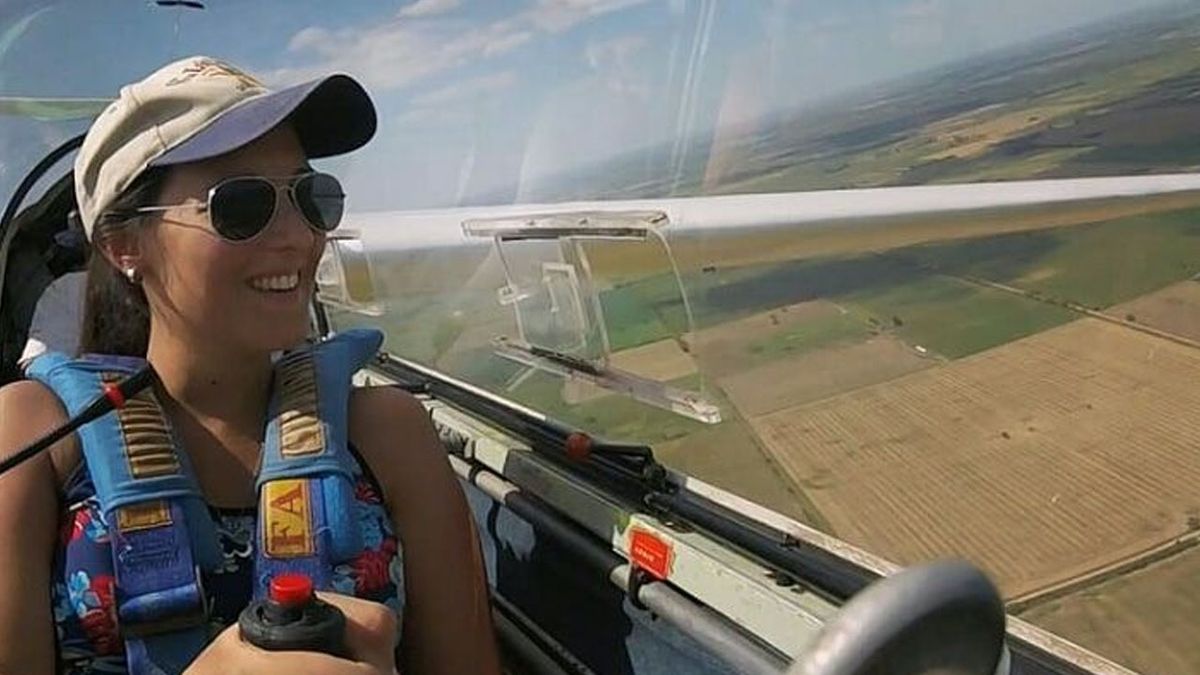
[205, 288]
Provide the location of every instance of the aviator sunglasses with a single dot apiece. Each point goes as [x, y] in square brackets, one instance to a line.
[240, 208]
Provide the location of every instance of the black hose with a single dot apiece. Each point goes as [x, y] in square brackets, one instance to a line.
[127, 388]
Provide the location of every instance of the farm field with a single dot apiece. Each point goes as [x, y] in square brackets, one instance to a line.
[980, 443]
[730, 457]
[1040, 460]
[729, 347]
[1095, 265]
[1145, 619]
[1174, 309]
[819, 374]
[919, 386]
[663, 361]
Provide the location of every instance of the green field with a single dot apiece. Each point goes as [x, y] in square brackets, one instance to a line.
[631, 317]
[809, 335]
[951, 317]
[923, 294]
[614, 417]
[956, 319]
[1096, 265]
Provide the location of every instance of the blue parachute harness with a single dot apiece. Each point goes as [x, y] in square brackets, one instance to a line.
[162, 532]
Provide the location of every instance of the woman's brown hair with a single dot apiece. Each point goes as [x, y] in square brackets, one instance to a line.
[116, 316]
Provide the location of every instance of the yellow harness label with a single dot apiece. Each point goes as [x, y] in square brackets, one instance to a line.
[143, 516]
[287, 525]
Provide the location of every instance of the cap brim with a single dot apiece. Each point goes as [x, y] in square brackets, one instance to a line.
[332, 116]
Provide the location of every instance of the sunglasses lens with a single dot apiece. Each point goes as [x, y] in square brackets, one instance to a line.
[241, 208]
[320, 198]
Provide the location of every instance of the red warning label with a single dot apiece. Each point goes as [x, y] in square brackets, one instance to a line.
[649, 552]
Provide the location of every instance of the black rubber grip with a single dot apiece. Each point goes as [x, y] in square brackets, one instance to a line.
[315, 627]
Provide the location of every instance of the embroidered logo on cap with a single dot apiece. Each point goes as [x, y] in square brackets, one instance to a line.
[206, 67]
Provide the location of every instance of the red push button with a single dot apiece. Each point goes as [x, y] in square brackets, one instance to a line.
[579, 447]
[291, 590]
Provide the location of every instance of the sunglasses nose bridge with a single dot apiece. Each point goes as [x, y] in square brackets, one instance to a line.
[287, 207]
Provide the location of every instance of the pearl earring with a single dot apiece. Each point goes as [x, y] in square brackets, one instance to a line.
[131, 275]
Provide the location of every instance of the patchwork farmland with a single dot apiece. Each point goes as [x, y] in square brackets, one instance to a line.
[1041, 460]
[995, 386]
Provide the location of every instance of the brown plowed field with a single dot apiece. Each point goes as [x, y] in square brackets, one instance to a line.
[1042, 459]
[820, 374]
[1175, 309]
[1145, 619]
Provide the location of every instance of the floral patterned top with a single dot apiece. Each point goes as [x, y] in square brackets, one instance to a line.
[82, 590]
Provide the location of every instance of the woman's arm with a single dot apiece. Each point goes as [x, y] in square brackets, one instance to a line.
[447, 625]
[28, 530]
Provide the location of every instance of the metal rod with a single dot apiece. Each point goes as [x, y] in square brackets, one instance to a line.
[704, 625]
[517, 646]
[720, 636]
[823, 571]
[537, 646]
[511, 496]
[544, 435]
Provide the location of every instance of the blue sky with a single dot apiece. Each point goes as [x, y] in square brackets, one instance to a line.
[476, 96]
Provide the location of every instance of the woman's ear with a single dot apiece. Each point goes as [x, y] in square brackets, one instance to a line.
[122, 247]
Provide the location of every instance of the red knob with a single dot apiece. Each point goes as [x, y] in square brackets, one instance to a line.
[579, 447]
[291, 590]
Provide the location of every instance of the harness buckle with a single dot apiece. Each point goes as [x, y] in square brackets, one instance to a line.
[159, 585]
[164, 611]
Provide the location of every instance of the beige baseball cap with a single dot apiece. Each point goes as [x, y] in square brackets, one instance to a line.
[201, 107]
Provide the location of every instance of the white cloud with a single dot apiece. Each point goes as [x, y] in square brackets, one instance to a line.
[919, 9]
[414, 117]
[558, 15]
[399, 52]
[919, 25]
[615, 52]
[466, 90]
[614, 61]
[309, 38]
[425, 8]
[438, 107]
[505, 43]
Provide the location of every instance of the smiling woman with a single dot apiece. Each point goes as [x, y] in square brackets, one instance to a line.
[207, 223]
[628, 216]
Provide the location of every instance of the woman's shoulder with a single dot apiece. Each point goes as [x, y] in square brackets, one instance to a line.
[383, 399]
[30, 410]
[393, 433]
[380, 416]
[30, 397]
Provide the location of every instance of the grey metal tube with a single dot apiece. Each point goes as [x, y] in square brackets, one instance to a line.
[551, 655]
[523, 649]
[704, 625]
[510, 495]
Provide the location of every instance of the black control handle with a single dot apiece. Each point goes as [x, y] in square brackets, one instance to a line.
[293, 618]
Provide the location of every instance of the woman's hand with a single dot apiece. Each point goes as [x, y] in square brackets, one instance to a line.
[370, 639]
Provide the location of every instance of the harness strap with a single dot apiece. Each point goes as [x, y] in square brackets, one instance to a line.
[306, 518]
[162, 534]
[161, 607]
